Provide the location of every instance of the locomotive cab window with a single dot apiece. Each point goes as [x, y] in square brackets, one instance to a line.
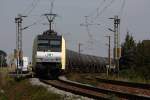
[55, 45]
[55, 42]
[43, 45]
[43, 41]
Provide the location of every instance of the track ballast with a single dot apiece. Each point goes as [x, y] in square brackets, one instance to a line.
[91, 91]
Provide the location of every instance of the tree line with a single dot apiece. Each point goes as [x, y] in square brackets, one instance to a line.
[136, 56]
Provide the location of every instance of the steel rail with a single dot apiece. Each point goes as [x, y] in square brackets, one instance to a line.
[123, 83]
[75, 89]
[91, 91]
[109, 91]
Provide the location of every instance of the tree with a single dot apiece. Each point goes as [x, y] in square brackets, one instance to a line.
[143, 58]
[128, 52]
[136, 57]
[3, 58]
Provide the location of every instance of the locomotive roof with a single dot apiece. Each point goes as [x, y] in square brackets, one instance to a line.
[49, 35]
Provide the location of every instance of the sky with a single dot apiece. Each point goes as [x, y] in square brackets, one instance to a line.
[134, 15]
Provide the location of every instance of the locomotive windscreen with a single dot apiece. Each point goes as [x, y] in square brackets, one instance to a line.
[53, 45]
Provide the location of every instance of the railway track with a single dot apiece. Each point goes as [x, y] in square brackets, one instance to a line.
[123, 83]
[93, 92]
[122, 86]
[128, 87]
[75, 89]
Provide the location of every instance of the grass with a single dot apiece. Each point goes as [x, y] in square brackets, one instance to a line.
[11, 89]
[3, 69]
[133, 76]
[82, 78]
[124, 75]
[25, 91]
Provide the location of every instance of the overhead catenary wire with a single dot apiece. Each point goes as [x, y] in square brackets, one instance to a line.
[97, 8]
[31, 7]
[122, 8]
[34, 23]
[96, 14]
[51, 6]
[50, 16]
[95, 17]
[87, 24]
[100, 12]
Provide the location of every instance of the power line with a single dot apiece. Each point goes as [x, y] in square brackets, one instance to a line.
[97, 9]
[99, 13]
[31, 7]
[87, 27]
[103, 9]
[122, 7]
[50, 16]
[51, 6]
[33, 24]
[87, 24]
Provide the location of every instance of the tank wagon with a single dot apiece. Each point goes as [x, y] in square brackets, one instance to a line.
[84, 63]
[50, 57]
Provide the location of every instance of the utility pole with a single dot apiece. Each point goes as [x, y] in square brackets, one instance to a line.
[1, 60]
[79, 48]
[109, 50]
[117, 45]
[19, 51]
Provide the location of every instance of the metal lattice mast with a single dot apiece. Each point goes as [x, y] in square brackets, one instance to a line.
[18, 21]
[117, 46]
[79, 47]
[19, 51]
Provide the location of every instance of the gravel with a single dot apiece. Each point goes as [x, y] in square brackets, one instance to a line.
[66, 95]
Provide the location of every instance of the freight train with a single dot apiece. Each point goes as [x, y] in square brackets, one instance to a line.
[50, 57]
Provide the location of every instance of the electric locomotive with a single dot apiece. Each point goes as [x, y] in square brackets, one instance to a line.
[49, 54]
